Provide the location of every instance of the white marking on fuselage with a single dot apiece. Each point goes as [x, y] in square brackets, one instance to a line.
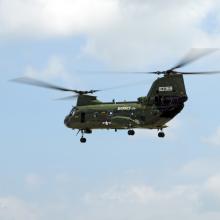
[126, 108]
[107, 123]
[166, 89]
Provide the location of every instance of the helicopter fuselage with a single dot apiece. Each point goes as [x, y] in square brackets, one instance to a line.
[164, 101]
[126, 115]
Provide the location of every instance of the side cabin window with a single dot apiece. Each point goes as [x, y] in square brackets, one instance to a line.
[176, 100]
[163, 100]
[166, 100]
[110, 113]
[157, 100]
[142, 118]
[95, 115]
[82, 117]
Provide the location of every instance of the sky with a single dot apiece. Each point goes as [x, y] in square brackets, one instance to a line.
[45, 173]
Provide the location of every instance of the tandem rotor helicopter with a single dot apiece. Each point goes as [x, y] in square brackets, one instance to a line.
[163, 102]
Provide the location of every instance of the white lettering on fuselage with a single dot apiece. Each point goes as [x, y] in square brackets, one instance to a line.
[166, 89]
[126, 108]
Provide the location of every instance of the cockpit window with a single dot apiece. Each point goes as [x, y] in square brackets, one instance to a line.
[72, 110]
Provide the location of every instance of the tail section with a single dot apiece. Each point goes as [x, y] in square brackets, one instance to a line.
[168, 89]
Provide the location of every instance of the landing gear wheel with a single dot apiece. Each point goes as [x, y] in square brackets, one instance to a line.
[131, 132]
[83, 140]
[161, 134]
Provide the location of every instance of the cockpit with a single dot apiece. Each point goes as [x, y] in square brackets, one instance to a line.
[67, 120]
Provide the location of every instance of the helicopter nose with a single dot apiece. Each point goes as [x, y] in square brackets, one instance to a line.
[67, 120]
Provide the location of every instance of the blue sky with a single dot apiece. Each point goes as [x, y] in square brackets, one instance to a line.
[45, 172]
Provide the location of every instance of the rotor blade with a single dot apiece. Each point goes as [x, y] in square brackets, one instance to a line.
[67, 98]
[117, 72]
[91, 91]
[102, 90]
[193, 55]
[200, 73]
[39, 83]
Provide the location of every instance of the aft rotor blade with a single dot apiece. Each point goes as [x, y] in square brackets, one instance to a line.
[39, 83]
[67, 98]
[194, 55]
[200, 73]
[117, 72]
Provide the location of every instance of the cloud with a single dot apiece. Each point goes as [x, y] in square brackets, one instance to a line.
[214, 139]
[139, 194]
[146, 202]
[149, 32]
[53, 17]
[201, 168]
[210, 198]
[54, 70]
[127, 200]
[213, 184]
[122, 33]
[14, 208]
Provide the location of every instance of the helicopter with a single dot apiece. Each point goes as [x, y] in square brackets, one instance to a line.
[165, 99]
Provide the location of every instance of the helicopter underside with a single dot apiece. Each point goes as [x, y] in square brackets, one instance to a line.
[121, 122]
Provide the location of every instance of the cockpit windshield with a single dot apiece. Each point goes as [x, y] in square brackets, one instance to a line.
[72, 110]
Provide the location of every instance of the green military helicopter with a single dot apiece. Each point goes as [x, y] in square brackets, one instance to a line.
[163, 102]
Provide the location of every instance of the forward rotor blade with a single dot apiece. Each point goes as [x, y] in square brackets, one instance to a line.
[194, 55]
[105, 89]
[200, 73]
[39, 83]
